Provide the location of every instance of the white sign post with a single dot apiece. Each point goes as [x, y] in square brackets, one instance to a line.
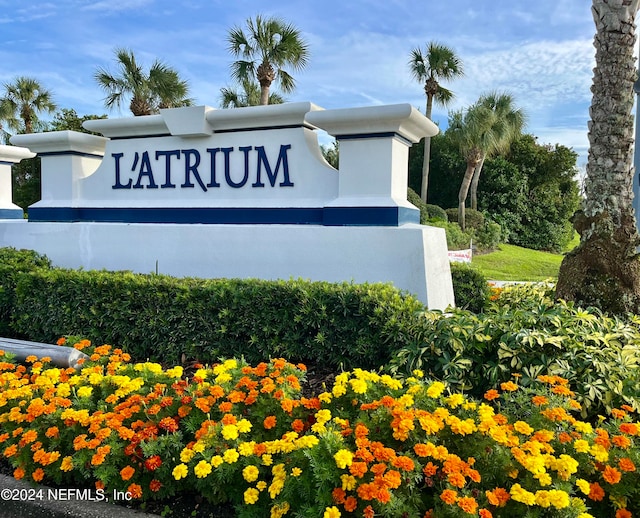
[238, 193]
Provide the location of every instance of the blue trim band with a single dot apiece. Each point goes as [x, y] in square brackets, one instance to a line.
[361, 136]
[2, 162]
[74, 153]
[329, 216]
[11, 214]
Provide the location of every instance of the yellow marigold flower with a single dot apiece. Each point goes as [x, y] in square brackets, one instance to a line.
[279, 510]
[543, 498]
[230, 432]
[261, 486]
[323, 416]
[585, 515]
[390, 382]
[358, 386]
[559, 499]
[84, 391]
[201, 374]
[223, 378]
[523, 428]
[198, 447]
[519, 494]
[250, 473]
[318, 428]
[348, 482]
[186, 454]
[325, 397]
[67, 464]
[216, 461]
[180, 471]
[244, 426]
[296, 472]
[583, 485]
[435, 389]
[175, 372]
[455, 400]
[63, 390]
[544, 479]
[343, 458]
[418, 373]
[246, 448]
[251, 496]
[599, 453]
[230, 456]
[581, 446]
[202, 469]
[331, 512]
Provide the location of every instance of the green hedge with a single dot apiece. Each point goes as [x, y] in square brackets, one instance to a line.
[163, 318]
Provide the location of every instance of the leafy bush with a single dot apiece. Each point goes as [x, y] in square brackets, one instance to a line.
[317, 322]
[474, 219]
[525, 331]
[436, 212]
[370, 445]
[13, 263]
[488, 237]
[470, 287]
[456, 238]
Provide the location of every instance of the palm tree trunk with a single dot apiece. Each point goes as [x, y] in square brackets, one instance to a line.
[427, 154]
[604, 270]
[474, 184]
[264, 95]
[464, 190]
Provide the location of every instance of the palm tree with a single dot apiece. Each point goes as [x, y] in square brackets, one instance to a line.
[21, 102]
[509, 123]
[249, 96]
[604, 270]
[438, 63]
[269, 45]
[148, 92]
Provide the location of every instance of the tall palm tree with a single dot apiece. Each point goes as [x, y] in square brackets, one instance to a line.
[147, 92]
[269, 45]
[438, 63]
[21, 102]
[604, 270]
[248, 96]
[508, 125]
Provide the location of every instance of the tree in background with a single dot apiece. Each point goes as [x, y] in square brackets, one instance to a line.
[22, 101]
[438, 63]
[248, 96]
[269, 45]
[511, 122]
[68, 119]
[147, 92]
[483, 130]
[604, 269]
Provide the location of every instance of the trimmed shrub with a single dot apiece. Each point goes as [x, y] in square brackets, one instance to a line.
[456, 238]
[488, 237]
[13, 263]
[470, 287]
[163, 318]
[437, 213]
[474, 219]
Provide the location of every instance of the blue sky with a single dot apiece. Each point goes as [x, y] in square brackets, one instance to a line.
[540, 51]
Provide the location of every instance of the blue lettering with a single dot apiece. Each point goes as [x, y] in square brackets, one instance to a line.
[282, 160]
[213, 152]
[227, 172]
[192, 168]
[145, 170]
[168, 154]
[118, 185]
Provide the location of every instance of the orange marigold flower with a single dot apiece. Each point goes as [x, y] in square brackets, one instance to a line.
[456, 480]
[492, 394]
[621, 441]
[539, 400]
[468, 504]
[184, 411]
[368, 512]
[225, 406]
[135, 491]
[350, 504]
[358, 469]
[498, 497]
[430, 469]
[626, 464]
[155, 485]
[269, 422]
[338, 495]
[509, 386]
[127, 472]
[596, 492]
[623, 513]
[169, 424]
[611, 475]
[485, 513]
[18, 473]
[383, 496]
[617, 413]
[38, 474]
[297, 426]
[448, 496]
[61, 341]
[629, 428]
[153, 462]
[403, 462]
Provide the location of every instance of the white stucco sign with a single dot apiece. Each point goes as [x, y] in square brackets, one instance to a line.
[234, 193]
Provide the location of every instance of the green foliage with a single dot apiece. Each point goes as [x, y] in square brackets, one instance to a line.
[489, 236]
[68, 119]
[470, 287]
[525, 331]
[13, 264]
[317, 322]
[436, 212]
[26, 182]
[474, 219]
[456, 238]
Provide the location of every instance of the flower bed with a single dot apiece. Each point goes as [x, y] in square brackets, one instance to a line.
[370, 445]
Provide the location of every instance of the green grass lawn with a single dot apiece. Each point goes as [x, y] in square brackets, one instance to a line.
[513, 263]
